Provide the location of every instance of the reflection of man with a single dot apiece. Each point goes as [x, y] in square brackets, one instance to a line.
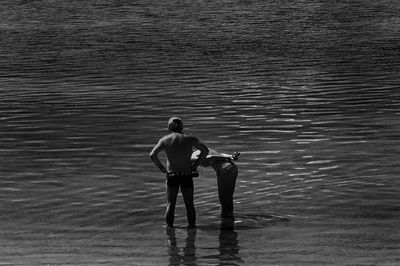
[189, 251]
[178, 147]
[227, 173]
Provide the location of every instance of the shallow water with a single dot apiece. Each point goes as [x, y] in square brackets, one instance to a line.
[306, 91]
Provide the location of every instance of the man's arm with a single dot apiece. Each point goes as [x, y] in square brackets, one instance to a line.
[203, 153]
[154, 156]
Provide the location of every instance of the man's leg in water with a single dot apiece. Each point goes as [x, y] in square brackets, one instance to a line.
[187, 193]
[172, 193]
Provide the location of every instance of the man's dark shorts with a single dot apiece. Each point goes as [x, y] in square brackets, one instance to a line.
[185, 181]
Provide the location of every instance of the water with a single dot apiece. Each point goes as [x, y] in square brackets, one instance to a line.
[307, 91]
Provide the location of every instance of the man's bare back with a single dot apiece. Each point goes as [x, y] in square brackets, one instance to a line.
[178, 147]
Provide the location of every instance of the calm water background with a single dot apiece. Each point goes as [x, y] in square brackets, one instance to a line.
[307, 91]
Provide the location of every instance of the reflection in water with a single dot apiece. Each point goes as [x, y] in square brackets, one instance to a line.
[228, 247]
[189, 251]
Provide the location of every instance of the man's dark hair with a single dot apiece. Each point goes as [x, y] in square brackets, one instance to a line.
[175, 124]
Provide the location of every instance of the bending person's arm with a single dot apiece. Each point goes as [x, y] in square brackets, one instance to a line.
[223, 156]
[203, 154]
[215, 157]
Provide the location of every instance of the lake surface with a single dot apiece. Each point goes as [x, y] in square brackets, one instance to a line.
[307, 91]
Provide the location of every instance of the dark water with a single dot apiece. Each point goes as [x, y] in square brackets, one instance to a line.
[307, 91]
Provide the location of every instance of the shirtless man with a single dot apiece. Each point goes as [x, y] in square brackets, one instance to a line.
[179, 147]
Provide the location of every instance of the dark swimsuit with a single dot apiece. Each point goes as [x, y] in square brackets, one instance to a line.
[176, 180]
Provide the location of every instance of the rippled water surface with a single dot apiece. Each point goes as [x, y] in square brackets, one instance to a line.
[307, 91]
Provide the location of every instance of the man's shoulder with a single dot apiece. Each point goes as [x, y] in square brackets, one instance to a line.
[163, 139]
[166, 137]
[172, 137]
[190, 137]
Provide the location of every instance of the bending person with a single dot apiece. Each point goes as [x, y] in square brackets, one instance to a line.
[227, 173]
